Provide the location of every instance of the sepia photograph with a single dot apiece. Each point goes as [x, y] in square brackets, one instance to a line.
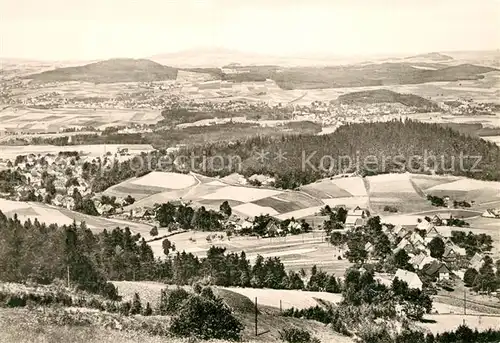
[258, 171]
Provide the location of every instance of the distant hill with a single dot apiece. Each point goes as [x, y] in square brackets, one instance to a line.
[432, 56]
[357, 75]
[110, 71]
[387, 96]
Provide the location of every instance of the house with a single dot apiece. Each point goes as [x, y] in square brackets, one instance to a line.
[356, 217]
[427, 260]
[432, 232]
[451, 253]
[272, 228]
[410, 278]
[424, 225]
[476, 262]
[369, 247]
[415, 238]
[492, 213]
[416, 260]
[404, 244]
[437, 270]
[437, 220]
[400, 231]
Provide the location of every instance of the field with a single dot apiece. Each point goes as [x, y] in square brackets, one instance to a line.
[406, 192]
[51, 214]
[11, 151]
[32, 120]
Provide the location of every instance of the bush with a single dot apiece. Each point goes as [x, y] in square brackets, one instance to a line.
[391, 209]
[294, 335]
[171, 300]
[206, 318]
[316, 313]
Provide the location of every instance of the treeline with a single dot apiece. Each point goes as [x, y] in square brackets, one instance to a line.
[43, 254]
[368, 148]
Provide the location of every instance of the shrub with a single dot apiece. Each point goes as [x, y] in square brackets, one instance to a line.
[206, 318]
[136, 307]
[171, 300]
[148, 311]
[295, 335]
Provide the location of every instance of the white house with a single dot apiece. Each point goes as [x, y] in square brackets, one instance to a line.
[356, 217]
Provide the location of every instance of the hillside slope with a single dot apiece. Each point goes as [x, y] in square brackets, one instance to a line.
[386, 96]
[110, 71]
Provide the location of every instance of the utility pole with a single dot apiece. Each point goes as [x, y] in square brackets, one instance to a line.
[67, 275]
[465, 302]
[256, 330]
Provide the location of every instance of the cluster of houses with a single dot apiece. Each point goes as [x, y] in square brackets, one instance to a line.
[421, 260]
[66, 170]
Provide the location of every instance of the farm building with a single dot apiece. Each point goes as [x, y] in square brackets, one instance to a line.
[410, 278]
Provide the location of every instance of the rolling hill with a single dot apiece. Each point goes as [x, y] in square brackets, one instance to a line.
[431, 56]
[110, 71]
[386, 96]
[358, 75]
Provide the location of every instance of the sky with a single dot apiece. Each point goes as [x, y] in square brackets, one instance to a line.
[98, 29]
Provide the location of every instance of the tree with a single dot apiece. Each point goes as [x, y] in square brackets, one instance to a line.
[470, 277]
[225, 209]
[129, 200]
[154, 231]
[357, 252]
[341, 214]
[401, 260]
[436, 246]
[166, 245]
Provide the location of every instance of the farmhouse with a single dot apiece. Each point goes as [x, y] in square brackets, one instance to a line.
[437, 270]
[356, 217]
[410, 278]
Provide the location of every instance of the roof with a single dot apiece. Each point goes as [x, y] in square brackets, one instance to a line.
[354, 220]
[436, 268]
[410, 278]
[417, 259]
[424, 225]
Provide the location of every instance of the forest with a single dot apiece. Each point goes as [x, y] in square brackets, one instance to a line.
[395, 146]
